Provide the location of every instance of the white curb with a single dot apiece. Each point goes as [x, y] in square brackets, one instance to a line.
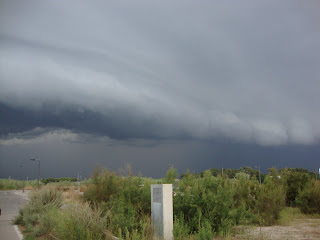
[18, 232]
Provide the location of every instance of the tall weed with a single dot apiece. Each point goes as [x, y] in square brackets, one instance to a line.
[38, 211]
[79, 221]
[126, 198]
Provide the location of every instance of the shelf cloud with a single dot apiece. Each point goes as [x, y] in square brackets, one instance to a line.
[245, 72]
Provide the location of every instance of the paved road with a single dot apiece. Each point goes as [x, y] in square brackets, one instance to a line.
[10, 202]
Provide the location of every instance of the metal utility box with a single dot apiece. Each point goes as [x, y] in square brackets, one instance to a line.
[162, 211]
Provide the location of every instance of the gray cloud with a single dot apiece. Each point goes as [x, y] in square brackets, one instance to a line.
[244, 71]
[64, 153]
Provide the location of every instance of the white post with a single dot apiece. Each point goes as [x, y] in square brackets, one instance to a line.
[162, 211]
[78, 178]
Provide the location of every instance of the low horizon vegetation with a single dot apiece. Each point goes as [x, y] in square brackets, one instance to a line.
[205, 205]
[13, 184]
[64, 183]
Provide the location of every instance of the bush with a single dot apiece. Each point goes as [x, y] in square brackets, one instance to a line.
[126, 198]
[180, 228]
[205, 200]
[53, 180]
[289, 214]
[79, 221]
[271, 198]
[246, 191]
[295, 182]
[171, 175]
[308, 200]
[41, 202]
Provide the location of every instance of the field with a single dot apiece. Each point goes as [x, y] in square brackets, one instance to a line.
[307, 228]
[292, 225]
[209, 205]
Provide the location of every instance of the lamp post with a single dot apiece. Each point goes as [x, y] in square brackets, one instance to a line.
[22, 180]
[35, 159]
[259, 174]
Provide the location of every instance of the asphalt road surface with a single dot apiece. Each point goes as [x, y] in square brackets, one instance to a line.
[10, 203]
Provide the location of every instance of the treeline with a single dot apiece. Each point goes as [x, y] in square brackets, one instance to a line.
[53, 180]
[253, 173]
[295, 179]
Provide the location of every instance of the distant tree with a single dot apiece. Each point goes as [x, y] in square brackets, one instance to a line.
[215, 172]
[308, 200]
[171, 175]
[296, 180]
[188, 173]
[248, 170]
[230, 173]
[271, 198]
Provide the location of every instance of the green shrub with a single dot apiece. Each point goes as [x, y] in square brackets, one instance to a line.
[289, 214]
[29, 237]
[246, 192]
[308, 200]
[171, 175]
[205, 231]
[205, 200]
[79, 221]
[126, 198]
[180, 228]
[270, 201]
[41, 201]
[295, 182]
[54, 180]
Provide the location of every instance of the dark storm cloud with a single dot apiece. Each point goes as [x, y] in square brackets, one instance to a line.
[63, 155]
[114, 125]
[246, 71]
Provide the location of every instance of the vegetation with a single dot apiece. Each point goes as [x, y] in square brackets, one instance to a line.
[205, 205]
[52, 180]
[60, 183]
[36, 211]
[126, 201]
[308, 199]
[12, 184]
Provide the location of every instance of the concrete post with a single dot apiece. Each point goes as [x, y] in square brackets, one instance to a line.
[162, 211]
[78, 179]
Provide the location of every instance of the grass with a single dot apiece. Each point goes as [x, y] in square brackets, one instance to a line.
[289, 214]
[12, 184]
[41, 203]
[78, 221]
[54, 214]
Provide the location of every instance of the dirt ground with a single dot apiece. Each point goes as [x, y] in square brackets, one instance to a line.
[299, 229]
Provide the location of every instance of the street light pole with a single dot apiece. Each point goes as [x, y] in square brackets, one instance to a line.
[22, 180]
[259, 175]
[34, 159]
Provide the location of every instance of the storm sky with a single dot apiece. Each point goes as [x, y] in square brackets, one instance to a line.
[196, 84]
